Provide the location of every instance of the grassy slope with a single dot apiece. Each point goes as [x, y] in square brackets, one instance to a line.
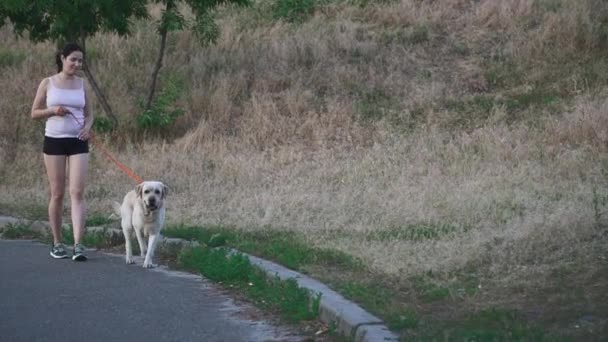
[457, 149]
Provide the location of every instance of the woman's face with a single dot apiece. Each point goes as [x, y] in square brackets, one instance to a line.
[72, 63]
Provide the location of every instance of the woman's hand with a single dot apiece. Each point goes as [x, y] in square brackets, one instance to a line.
[60, 111]
[84, 134]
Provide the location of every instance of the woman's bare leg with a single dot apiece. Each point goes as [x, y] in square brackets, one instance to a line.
[78, 172]
[55, 170]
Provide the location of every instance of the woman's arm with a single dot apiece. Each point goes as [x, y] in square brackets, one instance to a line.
[85, 133]
[88, 114]
[39, 109]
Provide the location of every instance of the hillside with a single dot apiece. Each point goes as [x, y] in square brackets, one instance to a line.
[458, 149]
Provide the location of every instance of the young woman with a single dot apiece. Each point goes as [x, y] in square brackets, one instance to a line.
[62, 101]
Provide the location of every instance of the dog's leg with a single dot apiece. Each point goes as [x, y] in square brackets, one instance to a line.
[128, 249]
[126, 222]
[141, 242]
[152, 239]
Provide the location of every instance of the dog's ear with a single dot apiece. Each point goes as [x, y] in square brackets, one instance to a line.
[165, 191]
[138, 189]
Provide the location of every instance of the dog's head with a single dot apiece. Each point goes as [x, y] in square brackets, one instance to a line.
[152, 194]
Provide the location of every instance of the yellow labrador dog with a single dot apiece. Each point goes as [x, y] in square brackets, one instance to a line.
[143, 210]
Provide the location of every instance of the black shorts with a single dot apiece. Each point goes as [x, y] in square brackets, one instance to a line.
[64, 146]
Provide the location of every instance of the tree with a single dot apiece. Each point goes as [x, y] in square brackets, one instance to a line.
[203, 26]
[68, 20]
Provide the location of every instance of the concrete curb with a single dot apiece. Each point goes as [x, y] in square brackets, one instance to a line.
[349, 319]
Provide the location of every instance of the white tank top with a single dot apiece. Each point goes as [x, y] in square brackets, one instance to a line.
[68, 126]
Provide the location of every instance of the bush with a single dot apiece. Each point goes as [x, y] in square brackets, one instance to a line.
[102, 125]
[293, 11]
[162, 112]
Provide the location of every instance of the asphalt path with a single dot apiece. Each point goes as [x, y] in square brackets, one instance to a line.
[103, 299]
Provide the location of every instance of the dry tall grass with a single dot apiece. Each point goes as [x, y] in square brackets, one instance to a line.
[276, 131]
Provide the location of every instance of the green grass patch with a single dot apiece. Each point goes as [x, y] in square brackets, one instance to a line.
[11, 58]
[293, 11]
[503, 73]
[20, 231]
[474, 112]
[469, 113]
[406, 36]
[374, 105]
[537, 97]
[380, 299]
[97, 219]
[235, 270]
[102, 124]
[97, 239]
[286, 248]
[493, 324]
[429, 291]
[419, 232]
[26, 210]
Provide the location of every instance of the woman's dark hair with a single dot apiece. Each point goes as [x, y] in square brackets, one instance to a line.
[67, 50]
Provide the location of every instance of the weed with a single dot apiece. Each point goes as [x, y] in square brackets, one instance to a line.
[506, 210]
[537, 96]
[469, 113]
[97, 219]
[217, 240]
[25, 209]
[11, 58]
[102, 125]
[374, 105]
[429, 291]
[200, 234]
[408, 319]
[419, 34]
[418, 232]
[380, 300]
[365, 3]
[503, 73]
[98, 238]
[162, 112]
[406, 36]
[237, 271]
[20, 231]
[293, 11]
[599, 203]
[284, 247]
[494, 325]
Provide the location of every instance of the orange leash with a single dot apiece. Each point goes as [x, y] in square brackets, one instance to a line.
[120, 165]
[108, 155]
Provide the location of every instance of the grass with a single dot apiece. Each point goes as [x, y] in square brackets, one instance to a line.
[25, 209]
[493, 324]
[20, 231]
[400, 308]
[235, 270]
[380, 300]
[97, 239]
[98, 219]
[286, 248]
[415, 232]
[11, 58]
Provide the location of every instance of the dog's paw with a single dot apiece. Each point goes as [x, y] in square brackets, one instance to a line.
[149, 265]
[129, 261]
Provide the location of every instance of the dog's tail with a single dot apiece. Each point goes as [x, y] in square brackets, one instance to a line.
[116, 207]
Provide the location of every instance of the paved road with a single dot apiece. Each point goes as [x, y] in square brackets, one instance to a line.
[43, 299]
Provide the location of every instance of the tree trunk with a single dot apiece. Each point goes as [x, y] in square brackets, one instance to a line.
[98, 92]
[159, 59]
